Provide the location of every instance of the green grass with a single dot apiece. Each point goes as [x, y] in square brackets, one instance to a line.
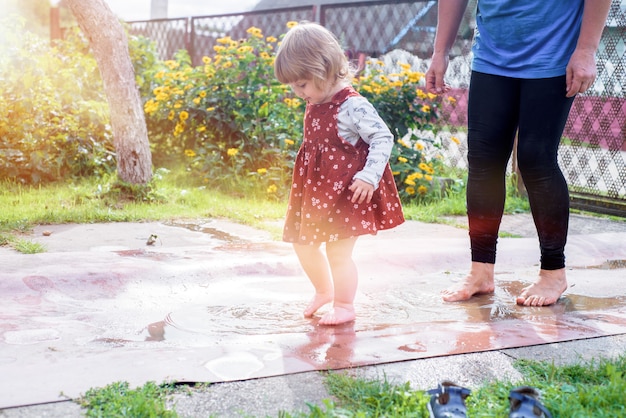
[119, 400]
[170, 196]
[592, 389]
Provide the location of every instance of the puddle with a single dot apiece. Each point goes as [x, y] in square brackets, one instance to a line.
[400, 310]
[141, 253]
[260, 319]
[607, 265]
[213, 232]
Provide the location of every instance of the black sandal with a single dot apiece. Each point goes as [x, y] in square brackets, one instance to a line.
[525, 403]
[448, 401]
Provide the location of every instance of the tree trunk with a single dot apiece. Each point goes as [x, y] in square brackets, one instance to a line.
[109, 44]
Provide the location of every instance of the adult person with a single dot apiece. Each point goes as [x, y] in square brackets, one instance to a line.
[530, 59]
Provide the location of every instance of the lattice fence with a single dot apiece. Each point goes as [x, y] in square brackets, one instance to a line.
[593, 150]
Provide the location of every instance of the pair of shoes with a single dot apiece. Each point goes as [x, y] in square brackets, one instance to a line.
[448, 401]
[525, 403]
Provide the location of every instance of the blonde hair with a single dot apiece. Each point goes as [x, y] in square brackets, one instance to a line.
[311, 52]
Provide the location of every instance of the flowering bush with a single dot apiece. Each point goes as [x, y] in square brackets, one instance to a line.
[408, 111]
[230, 117]
[54, 121]
[233, 121]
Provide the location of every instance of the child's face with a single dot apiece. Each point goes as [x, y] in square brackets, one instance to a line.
[308, 91]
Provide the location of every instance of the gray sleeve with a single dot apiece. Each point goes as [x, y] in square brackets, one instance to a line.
[357, 118]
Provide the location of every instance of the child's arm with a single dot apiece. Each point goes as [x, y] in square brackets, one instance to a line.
[364, 122]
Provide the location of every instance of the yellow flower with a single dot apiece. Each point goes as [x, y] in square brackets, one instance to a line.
[410, 190]
[402, 142]
[171, 115]
[256, 32]
[455, 140]
[225, 40]
[409, 181]
[180, 128]
[206, 60]
[151, 106]
[232, 152]
[190, 153]
[402, 159]
[289, 142]
[210, 109]
[425, 108]
[405, 66]
[423, 167]
[201, 129]
[291, 24]
[196, 100]
[415, 77]
[451, 99]
[261, 170]
[428, 177]
[271, 39]
[243, 49]
[171, 64]
[432, 96]
[272, 189]
[422, 190]
[419, 146]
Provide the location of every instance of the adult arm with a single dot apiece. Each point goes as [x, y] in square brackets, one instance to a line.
[450, 13]
[581, 70]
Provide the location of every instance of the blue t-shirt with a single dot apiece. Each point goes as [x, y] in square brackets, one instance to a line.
[526, 38]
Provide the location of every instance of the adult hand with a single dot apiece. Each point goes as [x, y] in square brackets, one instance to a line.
[361, 191]
[580, 72]
[435, 74]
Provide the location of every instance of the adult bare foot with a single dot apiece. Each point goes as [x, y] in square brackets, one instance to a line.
[338, 315]
[479, 281]
[546, 290]
[319, 300]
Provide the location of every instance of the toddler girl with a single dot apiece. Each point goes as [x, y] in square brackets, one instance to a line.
[342, 184]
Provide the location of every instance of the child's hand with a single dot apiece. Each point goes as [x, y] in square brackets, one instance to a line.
[361, 191]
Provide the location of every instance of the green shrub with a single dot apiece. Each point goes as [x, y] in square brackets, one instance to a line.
[53, 113]
[409, 112]
[233, 122]
[239, 128]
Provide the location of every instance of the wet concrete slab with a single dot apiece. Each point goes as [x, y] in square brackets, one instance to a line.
[211, 301]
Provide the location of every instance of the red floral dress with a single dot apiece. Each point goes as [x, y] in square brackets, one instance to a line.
[319, 208]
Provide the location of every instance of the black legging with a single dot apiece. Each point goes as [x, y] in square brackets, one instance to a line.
[498, 106]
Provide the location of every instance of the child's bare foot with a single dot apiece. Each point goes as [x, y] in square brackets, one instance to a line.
[338, 315]
[319, 300]
[546, 290]
[478, 281]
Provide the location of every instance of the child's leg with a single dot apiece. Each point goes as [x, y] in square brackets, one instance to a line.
[345, 279]
[315, 265]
